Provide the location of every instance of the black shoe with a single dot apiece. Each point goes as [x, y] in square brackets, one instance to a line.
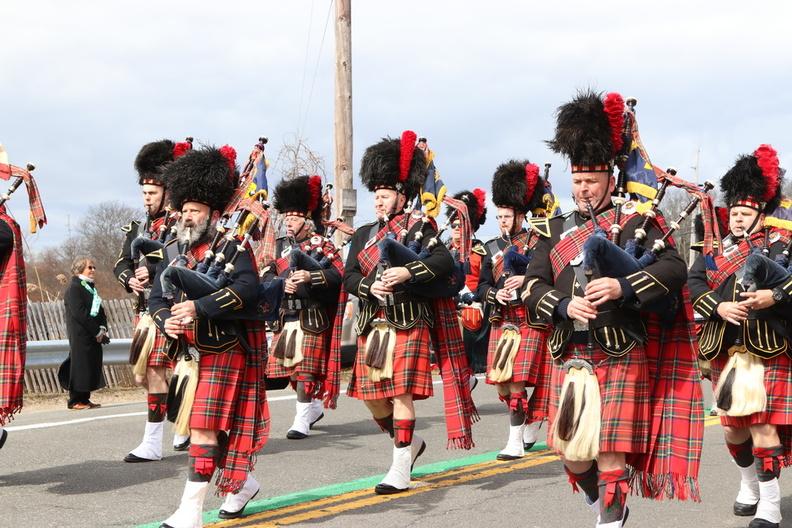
[475, 383]
[745, 510]
[134, 459]
[761, 523]
[528, 445]
[184, 446]
[317, 419]
[502, 456]
[3, 438]
[223, 514]
[387, 489]
[626, 514]
[295, 435]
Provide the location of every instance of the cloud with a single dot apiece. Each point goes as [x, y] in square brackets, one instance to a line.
[85, 84]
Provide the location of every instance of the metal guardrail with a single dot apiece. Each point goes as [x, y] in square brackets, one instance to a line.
[50, 354]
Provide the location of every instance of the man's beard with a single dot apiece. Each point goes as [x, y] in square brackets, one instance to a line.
[196, 232]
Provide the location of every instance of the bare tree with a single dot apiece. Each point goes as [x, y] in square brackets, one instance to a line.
[296, 158]
[99, 236]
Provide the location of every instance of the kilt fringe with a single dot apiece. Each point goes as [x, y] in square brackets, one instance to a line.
[661, 486]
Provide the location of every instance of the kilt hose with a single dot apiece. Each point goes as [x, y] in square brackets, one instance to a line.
[412, 373]
[624, 393]
[231, 397]
[532, 362]
[778, 385]
[315, 349]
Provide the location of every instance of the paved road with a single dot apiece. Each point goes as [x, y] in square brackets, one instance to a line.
[63, 468]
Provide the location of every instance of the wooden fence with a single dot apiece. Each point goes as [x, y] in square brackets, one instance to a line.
[47, 321]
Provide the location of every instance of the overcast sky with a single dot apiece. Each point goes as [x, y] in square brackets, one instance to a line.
[85, 84]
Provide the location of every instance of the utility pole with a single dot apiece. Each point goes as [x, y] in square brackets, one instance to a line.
[346, 196]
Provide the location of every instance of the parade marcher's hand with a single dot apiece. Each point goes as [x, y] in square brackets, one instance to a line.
[136, 285]
[602, 290]
[142, 274]
[733, 312]
[379, 290]
[394, 276]
[300, 276]
[504, 295]
[174, 328]
[581, 310]
[513, 283]
[757, 300]
[184, 310]
[290, 286]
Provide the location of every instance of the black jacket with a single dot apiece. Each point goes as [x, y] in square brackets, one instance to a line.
[618, 326]
[85, 353]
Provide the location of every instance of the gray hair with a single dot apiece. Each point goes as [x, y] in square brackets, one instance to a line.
[80, 264]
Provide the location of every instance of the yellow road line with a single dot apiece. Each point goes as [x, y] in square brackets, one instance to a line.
[265, 515]
[499, 469]
[335, 505]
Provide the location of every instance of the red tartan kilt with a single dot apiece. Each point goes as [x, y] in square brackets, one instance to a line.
[624, 393]
[778, 384]
[314, 361]
[529, 363]
[412, 373]
[158, 358]
[219, 380]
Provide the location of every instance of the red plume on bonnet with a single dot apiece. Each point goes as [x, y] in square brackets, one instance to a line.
[531, 178]
[229, 154]
[481, 198]
[406, 151]
[767, 159]
[181, 148]
[315, 190]
[614, 109]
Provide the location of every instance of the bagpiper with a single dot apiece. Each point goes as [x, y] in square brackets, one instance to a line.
[745, 334]
[13, 292]
[135, 275]
[616, 373]
[473, 314]
[229, 417]
[516, 356]
[398, 322]
[312, 268]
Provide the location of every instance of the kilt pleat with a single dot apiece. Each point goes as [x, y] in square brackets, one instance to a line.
[411, 368]
[624, 394]
[219, 379]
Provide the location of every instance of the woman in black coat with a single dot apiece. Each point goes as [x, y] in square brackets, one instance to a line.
[87, 328]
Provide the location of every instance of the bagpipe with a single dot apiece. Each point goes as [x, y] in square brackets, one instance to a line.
[741, 389]
[15, 185]
[145, 330]
[396, 251]
[215, 271]
[639, 176]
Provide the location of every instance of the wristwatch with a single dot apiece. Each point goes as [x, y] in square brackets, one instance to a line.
[779, 295]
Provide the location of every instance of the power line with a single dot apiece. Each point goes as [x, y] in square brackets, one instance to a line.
[316, 67]
[305, 66]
